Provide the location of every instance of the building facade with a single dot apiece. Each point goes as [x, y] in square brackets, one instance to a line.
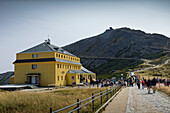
[47, 64]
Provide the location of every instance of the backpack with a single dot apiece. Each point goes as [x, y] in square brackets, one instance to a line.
[143, 82]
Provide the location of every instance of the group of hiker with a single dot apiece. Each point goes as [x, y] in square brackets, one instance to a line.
[150, 83]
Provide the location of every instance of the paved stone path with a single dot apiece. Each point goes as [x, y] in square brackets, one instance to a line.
[139, 101]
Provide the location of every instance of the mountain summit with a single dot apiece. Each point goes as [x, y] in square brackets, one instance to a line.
[121, 43]
[119, 49]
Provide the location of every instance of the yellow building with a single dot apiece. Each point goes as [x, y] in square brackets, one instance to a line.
[47, 64]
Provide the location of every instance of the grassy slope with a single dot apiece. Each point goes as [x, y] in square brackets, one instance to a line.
[115, 67]
[160, 60]
[163, 70]
[164, 89]
[40, 102]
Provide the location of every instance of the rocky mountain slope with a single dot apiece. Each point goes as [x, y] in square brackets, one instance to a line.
[122, 43]
[5, 77]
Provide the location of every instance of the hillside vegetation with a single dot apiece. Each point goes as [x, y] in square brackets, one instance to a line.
[115, 67]
[162, 71]
[160, 60]
[119, 50]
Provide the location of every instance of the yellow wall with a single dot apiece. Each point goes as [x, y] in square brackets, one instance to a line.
[11, 80]
[22, 56]
[47, 71]
[51, 72]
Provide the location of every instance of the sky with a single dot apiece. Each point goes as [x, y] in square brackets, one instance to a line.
[26, 23]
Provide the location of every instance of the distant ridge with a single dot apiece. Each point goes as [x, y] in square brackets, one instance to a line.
[5, 77]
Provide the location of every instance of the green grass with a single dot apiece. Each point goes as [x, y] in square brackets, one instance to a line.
[154, 56]
[142, 66]
[115, 67]
[116, 64]
[114, 74]
[160, 60]
[163, 70]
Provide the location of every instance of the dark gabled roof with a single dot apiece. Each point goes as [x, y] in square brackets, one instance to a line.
[47, 47]
[83, 70]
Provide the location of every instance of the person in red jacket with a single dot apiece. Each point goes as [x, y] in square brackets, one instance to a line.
[138, 83]
[143, 83]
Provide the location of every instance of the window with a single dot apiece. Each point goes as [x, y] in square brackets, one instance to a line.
[72, 77]
[56, 55]
[78, 76]
[34, 66]
[59, 55]
[58, 66]
[58, 78]
[34, 55]
[61, 77]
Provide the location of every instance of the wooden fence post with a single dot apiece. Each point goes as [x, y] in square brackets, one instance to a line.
[107, 94]
[51, 110]
[110, 93]
[78, 105]
[92, 102]
[101, 96]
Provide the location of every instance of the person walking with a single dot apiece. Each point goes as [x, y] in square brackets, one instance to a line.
[97, 82]
[154, 85]
[132, 81]
[138, 83]
[143, 83]
[149, 85]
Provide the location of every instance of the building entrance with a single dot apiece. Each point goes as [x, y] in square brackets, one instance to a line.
[33, 80]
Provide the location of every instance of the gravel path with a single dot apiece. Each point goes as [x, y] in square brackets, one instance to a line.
[139, 101]
[118, 104]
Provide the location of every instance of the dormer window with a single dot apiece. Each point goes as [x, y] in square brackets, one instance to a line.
[34, 55]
